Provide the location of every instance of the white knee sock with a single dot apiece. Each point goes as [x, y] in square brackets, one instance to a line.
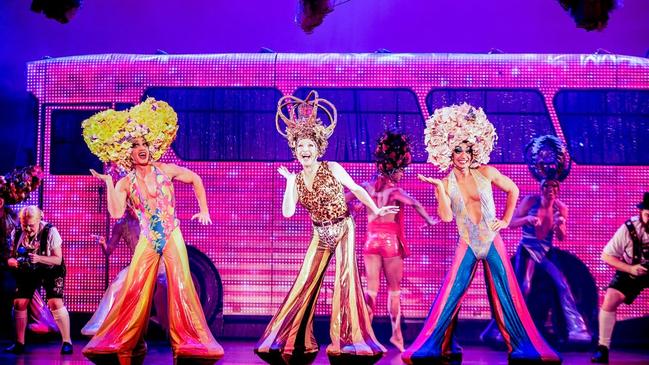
[606, 324]
[62, 319]
[21, 325]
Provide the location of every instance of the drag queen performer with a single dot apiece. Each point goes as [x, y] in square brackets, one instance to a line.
[135, 140]
[385, 247]
[543, 217]
[462, 137]
[126, 229]
[289, 339]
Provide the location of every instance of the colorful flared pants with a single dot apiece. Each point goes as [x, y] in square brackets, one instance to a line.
[114, 291]
[434, 342]
[121, 336]
[289, 336]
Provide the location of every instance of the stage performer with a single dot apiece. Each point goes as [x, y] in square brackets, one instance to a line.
[15, 188]
[461, 136]
[37, 259]
[127, 229]
[628, 253]
[542, 218]
[319, 188]
[135, 140]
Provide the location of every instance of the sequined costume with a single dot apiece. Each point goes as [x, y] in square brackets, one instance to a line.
[384, 239]
[478, 243]
[531, 254]
[121, 336]
[289, 336]
[127, 229]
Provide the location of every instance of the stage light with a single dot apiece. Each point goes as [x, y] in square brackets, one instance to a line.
[60, 10]
[311, 13]
[590, 14]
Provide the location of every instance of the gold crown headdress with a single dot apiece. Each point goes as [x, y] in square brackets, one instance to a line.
[303, 121]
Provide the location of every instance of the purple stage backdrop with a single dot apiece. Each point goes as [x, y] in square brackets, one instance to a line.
[207, 26]
[598, 104]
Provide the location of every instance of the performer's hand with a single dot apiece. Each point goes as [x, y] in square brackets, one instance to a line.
[101, 240]
[203, 217]
[103, 177]
[388, 209]
[532, 220]
[498, 224]
[433, 221]
[284, 172]
[559, 219]
[34, 258]
[638, 270]
[437, 182]
[13, 263]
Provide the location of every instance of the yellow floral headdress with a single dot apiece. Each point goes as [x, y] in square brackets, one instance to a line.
[109, 134]
[303, 122]
[453, 125]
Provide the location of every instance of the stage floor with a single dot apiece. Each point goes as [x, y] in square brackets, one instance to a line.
[240, 352]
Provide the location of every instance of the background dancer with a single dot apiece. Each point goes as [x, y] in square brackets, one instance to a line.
[542, 218]
[37, 258]
[385, 247]
[628, 253]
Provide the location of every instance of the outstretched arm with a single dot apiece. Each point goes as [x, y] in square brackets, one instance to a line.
[289, 202]
[361, 194]
[405, 199]
[354, 205]
[188, 176]
[443, 200]
[116, 194]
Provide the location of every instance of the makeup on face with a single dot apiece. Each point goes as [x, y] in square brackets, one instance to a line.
[459, 149]
[306, 150]
[140, 150]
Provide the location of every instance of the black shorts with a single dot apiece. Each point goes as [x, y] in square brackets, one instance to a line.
[50, 278]
[629, 285]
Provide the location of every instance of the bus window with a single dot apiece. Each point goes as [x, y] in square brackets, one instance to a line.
[605, 127]
[69, 154]
[364, 114]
